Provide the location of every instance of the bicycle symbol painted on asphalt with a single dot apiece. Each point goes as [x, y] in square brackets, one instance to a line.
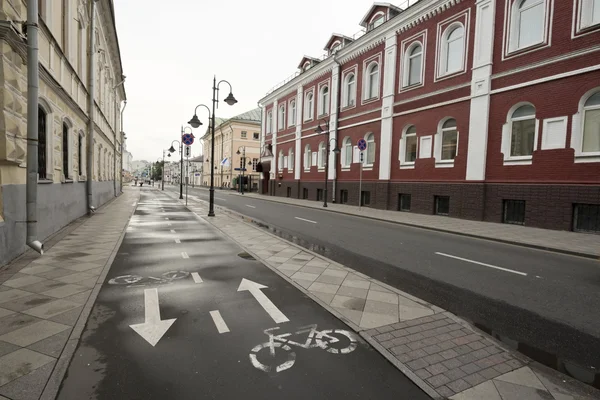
[343, 342]
[138, 281]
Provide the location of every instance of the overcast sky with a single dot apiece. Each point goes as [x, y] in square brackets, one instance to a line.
[171, 50]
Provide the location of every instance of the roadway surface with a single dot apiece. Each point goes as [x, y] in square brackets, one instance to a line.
[170, 323]
[545, 301]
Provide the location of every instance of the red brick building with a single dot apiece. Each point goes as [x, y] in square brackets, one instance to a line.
[480, 109]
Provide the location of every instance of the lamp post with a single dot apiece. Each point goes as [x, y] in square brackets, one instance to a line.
[172, 150]
[162, 179]
[336, 150]
[195, 123]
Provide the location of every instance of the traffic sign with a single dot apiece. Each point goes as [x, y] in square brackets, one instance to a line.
[187, 139]
[362, 144]
[188, 151]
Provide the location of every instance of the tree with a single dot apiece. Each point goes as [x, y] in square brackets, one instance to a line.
[157, 169]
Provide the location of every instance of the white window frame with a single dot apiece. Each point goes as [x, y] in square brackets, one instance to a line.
[45, 105]
[270, 122]
[291, 159]
[577, 127]
[346, 104]
[67, 175]
[309, 111]
[292, 112]
[402, 151]
[307, 158]
[346, 143]
[407, 59]
[443, 54]
[511, 29]
[281, 117]
[321, 101]
[335, 47]
[370, 139]
[406, 46]
[585, 8]
[507, 137]
[280, 160]
[321, 156]
[378, 15]
[438, 143]
[366, 81]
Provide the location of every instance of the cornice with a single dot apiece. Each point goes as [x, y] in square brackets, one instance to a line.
[10, 34]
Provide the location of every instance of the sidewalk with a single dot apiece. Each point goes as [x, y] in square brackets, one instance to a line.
[45, 301]
[442, 354]
[586, 245]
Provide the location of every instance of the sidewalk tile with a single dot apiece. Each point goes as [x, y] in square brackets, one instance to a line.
[55, 273]
[30, 386]
[27, 302]
[325, 297]
[4, 312]
[16, 321]
[36, 269]
[334, 280]
[24, 281]
[64, 291]
[377, 288]
[75, 278]
[511, 391]
[323, 287]
[486, 390]
[375, 295]
[53, 345]
[82, 267]
[6, 348]
[80, 298]
[43, 286]
[352, 292]
[312, 270]
[352, 315]
[51, 309]
[33, 333]
[524, 377]
[348, 303]
[372, 320]
[19, 363]
[305, 276]
[356, 283]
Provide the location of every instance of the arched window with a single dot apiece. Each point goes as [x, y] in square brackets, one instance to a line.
[292, 113]
[349, 90]
[281, 117]
[80, 149]
[449, 138]
[290, 159]
[522, 131]
[372, 81]
[370, 159]
[528, 22]
[42, 143]
[306, 66]
[280, 161]
[65, 150]
[270, 122]
[347, 150]
[307, 157]
[335, 47]
[591, 125]
[453, 49]
[413, 65]
[322, 155]
[324, 100]
[309, 106]
[377, 20]
[410, 145]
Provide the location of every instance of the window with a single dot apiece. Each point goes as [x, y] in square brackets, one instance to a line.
[306, 66]
[349, 90]
[244, 134]
[256, 136]
[514, 212]
[309, 107]
[324, 100]
[370, 138]
[347, 152]
[586, 218]
[527, 23]
[453, 49]
[80, 154]
[322, 155]
[449, 140]
[289, 192]
[413, 65]
[269, 122]
[307, 157]
[80, 48]
[291, 159]
[254, 164]
[442, 205]
[410, 149]
[365, 198]
[281, 117]
[335, 47]
[376, 21]
[305, 193]
[42, 143]
[320, 195]
[523, 127]
[343, 196]
[65, 150]
[64, 31]
[591, 125]
[589, 13]
[280, 161]
[292, 113]
[372, 82]
[403, 202]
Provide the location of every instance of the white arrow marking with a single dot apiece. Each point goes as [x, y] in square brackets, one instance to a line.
[172, 230]
[196, 277]
[153, 329]
[248, 205]
[219, 322]
[184, 254]
[177, 241]
[263, 300]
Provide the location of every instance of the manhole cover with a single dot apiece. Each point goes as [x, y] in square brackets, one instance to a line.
[246, 256]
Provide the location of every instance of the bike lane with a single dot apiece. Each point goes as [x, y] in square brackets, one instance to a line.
[183, 313]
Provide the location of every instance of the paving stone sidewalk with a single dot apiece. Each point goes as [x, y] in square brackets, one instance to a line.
[45, 301]
[444, 355]
[566, 242]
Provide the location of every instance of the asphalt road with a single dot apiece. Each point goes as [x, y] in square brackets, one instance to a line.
[547, 303]
[210, 328]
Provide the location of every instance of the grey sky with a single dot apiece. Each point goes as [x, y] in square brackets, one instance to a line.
[171, 50]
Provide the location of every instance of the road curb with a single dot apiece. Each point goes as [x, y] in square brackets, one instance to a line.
[505, 241]
[62, 364]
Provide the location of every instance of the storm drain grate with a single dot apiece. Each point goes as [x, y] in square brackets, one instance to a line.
[246, 256]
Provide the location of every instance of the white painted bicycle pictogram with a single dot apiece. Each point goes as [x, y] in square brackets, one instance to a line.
[321, 339]
[138, 281]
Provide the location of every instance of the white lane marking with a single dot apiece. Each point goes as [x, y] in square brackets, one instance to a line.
[177, 241]
[248, 205]
[196, 277]
[169, 224]
[133, 204]
[153, 329]
[263, 300]
[184, 254]
[167, 218]
[484, 264]
[219, 322]
[306, 220]
[220, 198]
[172, 230]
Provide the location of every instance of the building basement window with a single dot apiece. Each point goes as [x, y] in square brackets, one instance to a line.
[514, 212]
[404, 202]
[305, 193]
[320, 195]
[442, 205]
[586, 218]
[365, 198]
[289, 192]
[343, 196]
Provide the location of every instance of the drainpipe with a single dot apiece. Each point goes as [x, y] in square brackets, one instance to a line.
[91, 106]
[33, 79]
[122, 142]
[115, 135]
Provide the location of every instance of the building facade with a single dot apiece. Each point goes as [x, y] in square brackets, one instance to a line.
[233, 135]
[66, 57]
[478, 109]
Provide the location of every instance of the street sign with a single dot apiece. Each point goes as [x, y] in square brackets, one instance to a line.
[240, 169]
[188, 151]
[187, 139]
[362, 156]
[362, 144]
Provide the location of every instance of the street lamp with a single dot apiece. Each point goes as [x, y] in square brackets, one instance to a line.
[163, 170]
[335, 150]
[172, 150]
[195, 123]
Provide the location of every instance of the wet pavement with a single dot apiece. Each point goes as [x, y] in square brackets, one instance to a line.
[199, 309]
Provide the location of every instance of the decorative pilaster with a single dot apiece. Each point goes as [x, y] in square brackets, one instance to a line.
[387, 109]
